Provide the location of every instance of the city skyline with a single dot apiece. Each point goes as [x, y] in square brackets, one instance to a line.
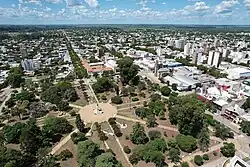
[200, 12]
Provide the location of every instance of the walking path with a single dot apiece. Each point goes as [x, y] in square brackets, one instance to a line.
[62, 142]
[119, 143]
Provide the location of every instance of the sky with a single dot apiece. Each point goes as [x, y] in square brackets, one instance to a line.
[213, 12]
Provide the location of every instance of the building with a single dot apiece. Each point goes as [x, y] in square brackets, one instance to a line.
[98, 67]
[159, 51]
[180, 43]
[237, 73]
[216, 42]
[237, 162]
[30, 65]
[214, 59]
[187, 49]
[23, 51]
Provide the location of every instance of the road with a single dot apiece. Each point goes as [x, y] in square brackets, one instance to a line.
[226, 122]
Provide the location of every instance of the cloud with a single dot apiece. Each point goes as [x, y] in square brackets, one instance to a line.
[54, 1]
[92, 3]
[225, 7]
[247, 4]
[73, 2]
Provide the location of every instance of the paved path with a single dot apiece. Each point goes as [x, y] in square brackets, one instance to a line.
[144, 122]
[119, 143]
[62, 142]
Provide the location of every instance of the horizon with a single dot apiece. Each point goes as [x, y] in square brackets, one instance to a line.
[61, 12]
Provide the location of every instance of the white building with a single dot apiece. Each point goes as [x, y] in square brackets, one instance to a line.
[237, 73]
[187, 49]
[237, 162]
[216, 59]
[210, 58]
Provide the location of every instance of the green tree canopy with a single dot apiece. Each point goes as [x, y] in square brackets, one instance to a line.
[186, 143]
[87, 152]
[107, 160]
[138, 135]
[128, 70]
[228, 150]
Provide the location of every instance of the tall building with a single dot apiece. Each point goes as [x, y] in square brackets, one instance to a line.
[225, 52]
[159, 51]
[210, 58]
[180, 43]
[216, 42]
[27, 65]
[30, 65]
[187, 49]
[171, 42]
[214, 58]
[197, 58]
[23, 51]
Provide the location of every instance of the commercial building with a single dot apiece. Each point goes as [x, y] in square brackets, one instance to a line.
[237, 73]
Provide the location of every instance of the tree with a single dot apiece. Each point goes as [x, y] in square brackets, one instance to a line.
[223, 132]
[154, 134]
[228, 150]
[157, 107]
[64, 155]
[30, 138]
[107, 160]
[138, 135]
[151, 121]
[102, 84]
[79, 123]
[186, 143]
[15, 77]
[204, 138]
[128, 70]
[142, 112]
[174, 155]
[12, 133]
[165, 91]
[57, 125]
[126, 149]
[154, 97]
[63, 105]
[246, 105]
[245, 127]
[37, 109]
[116, 100]
[141, 86]
[188, 113]
[174, 86]
[198, 160]
[184, 164]
[70, 95]
[87, 152]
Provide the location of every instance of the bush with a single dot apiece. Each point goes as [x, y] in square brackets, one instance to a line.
[215, 153]
[64, 155]
[126, 149]
[186, 143]
[116, 129]
[228, 150]
[72, 113]
[103, 97]
[205, 157]
[127, 137]
[154, 134]
[77, 137]
[184, 164]
[165, 91]
[198, 160]
[116, 100]
[135, 99]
